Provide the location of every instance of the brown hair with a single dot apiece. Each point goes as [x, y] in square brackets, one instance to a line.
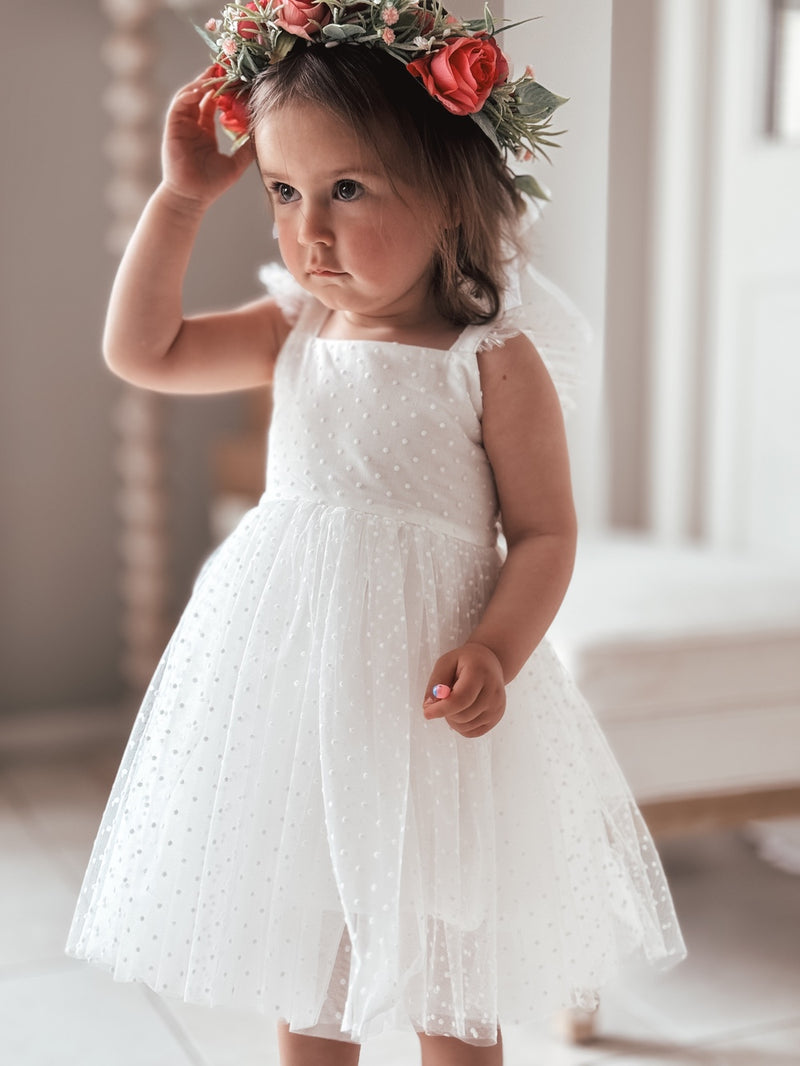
[447, 157]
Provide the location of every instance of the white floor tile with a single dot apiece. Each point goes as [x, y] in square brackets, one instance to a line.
[531, 1045]
[400, 1049]
[225, 1038]
[774, 1047]
[741, 921]
[77, 1016]
[61, 808]
[38, 899]
[779, 1047]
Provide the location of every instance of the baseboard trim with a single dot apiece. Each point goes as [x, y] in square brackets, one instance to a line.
[724, 810]
[53, 731]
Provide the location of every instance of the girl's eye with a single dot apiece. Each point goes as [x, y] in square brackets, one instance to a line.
[347, 189]
[284, 193]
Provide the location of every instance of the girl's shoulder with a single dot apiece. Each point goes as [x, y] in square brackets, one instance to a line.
[540, 323]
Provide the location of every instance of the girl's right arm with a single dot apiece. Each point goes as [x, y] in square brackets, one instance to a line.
[147, 339]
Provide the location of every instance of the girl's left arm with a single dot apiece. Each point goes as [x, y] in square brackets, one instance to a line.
[523, 433]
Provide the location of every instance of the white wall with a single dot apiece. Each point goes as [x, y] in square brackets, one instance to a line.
[59, 640]
[631, 147]
[704, 297]
[750, 457]
[569, 48]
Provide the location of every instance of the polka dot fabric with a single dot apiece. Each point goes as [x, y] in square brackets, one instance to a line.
[286, 832]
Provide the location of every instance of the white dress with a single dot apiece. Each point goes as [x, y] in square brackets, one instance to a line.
[287, 833]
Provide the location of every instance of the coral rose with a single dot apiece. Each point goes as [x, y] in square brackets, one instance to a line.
[246, 27]
[462, 73]
[302, 18]
[425, 21]
[234, 114]
[232, 108]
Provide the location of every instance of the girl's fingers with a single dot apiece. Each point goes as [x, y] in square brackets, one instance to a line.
[206, 110]
[461, 714]
[488, 717]
[461, 698]
[193, 91]
[201, 80]
[433, 705]
[481, 731]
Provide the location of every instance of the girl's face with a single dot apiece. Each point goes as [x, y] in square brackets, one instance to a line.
[359, 243]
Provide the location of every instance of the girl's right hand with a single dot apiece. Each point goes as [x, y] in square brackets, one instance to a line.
[193, 168]
[477, 698]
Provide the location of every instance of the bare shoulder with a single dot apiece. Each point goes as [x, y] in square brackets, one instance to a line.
[524, 437]
[222, 351]
[516, 383]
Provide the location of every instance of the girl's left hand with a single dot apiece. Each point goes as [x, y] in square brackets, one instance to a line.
[477, 699]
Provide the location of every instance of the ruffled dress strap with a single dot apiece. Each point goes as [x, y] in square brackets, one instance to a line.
[536, 307]
[291, 297]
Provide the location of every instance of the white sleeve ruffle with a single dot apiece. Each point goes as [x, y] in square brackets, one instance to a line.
[536, 307]
[285, 291]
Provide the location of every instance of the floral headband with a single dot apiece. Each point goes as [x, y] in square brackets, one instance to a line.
[458, 62]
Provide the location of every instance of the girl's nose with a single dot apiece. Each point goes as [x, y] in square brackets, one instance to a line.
[314, 227]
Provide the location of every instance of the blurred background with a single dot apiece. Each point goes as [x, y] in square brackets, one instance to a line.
[675, 227]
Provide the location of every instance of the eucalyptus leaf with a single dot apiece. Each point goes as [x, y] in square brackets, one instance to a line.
[486, 127]
[210, 41]
[249, 67]
[284, 43]
[534, 100]
[513, 25]
[527, 184]
[337, 32]
[238, 140]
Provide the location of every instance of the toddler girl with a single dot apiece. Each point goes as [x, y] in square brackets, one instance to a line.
[361, 792]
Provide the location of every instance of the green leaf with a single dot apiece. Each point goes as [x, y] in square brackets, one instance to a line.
[338, 32]
[529, 186]
[284, 43]
[249, 67]
[513, 25]
[210, 41]
[534, 101]
[487, 127]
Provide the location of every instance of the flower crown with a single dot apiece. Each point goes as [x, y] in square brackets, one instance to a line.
[457, 61]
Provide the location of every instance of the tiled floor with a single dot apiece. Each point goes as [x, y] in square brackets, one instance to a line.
[735, 1002]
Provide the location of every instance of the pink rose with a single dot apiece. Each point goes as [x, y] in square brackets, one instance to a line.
[462, 74]
[302, 18]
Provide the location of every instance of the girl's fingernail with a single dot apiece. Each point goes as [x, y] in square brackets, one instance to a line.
[441, 692]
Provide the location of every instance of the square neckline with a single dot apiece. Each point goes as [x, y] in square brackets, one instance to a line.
[326, 312]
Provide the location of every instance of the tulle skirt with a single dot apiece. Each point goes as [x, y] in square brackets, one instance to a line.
[288, 834]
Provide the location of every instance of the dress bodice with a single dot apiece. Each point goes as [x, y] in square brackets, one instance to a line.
[382, 427]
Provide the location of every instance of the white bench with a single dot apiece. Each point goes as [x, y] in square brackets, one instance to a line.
[690, 659]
